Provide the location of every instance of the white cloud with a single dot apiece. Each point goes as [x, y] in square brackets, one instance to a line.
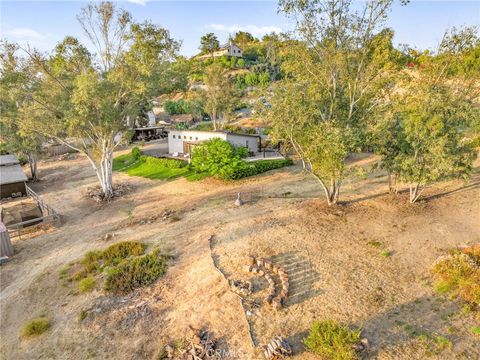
[24, 34]
[138, 2]
[252, 29]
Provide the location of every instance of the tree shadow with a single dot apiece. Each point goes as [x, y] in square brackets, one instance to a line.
[301, 276]
[364, 198]
[454, 191]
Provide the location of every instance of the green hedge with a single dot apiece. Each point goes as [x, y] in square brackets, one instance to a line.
[245, 169]
[166, 163]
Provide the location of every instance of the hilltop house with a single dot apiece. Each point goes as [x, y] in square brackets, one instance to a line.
[183, 141]
[229, 49]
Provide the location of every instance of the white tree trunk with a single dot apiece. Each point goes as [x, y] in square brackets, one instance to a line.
[103, 169]
[332, 192]
[415, 192]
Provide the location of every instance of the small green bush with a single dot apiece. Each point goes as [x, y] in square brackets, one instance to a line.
[458, 275]
[36, 326]
[135, 272]
[91, 260]
[87, 284]
[331, 340]
[121, 250]
[136, 153]
[243, 169]
[475, 330]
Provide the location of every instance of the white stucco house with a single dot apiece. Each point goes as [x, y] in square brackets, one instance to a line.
[182, 141]
[229, 49]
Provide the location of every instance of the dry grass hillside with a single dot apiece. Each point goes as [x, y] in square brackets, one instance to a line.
[365, 263]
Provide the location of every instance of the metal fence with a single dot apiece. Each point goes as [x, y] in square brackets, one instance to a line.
[50, 216]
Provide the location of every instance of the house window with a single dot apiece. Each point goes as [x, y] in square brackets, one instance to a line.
[185, 137]
[173, 136]
[196, 137]
[191, 138]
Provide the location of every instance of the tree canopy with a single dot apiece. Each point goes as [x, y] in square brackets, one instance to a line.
[86, 100]
[209, 43]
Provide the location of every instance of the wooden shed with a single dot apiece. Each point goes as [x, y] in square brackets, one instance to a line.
[12, 177]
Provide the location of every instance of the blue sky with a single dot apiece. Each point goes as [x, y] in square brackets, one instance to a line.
[43, 23]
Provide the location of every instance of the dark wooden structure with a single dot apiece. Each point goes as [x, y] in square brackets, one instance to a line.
[149, 133]
[12, 178]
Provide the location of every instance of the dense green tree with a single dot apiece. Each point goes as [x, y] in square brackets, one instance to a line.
[427, 132]
[338, 70]
[209, 44]
[220, 94]
[243, 38]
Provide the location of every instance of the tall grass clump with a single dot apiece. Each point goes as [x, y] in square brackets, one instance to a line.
[458, 274]
[36, 326]
[87, 284]
[122, 267]
[331, 340]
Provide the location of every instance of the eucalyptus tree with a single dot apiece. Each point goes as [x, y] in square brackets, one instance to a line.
[220, 94]
[209, 44]
[85, 99]
[428, 132]
[340, 62]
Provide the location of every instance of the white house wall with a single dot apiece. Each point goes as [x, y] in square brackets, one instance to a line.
[240, 140]
[176, 138]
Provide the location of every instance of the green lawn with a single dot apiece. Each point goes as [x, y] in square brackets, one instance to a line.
[157, 169]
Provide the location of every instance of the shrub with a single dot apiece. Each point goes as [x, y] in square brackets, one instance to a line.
[475, 330]
[87, 284]
[332, 340]
[243, 169]
[251, 79]
[213, 155]
[177, 107]
[36, 326]
[458, 274]
[135, 272]
[91, 260]
[264, 79]
[119, 251]
[241, 63]
[94, 260]
[240, 81]
[136, 153]
[242, 152]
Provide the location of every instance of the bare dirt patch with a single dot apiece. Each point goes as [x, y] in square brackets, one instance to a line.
[333, 257]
